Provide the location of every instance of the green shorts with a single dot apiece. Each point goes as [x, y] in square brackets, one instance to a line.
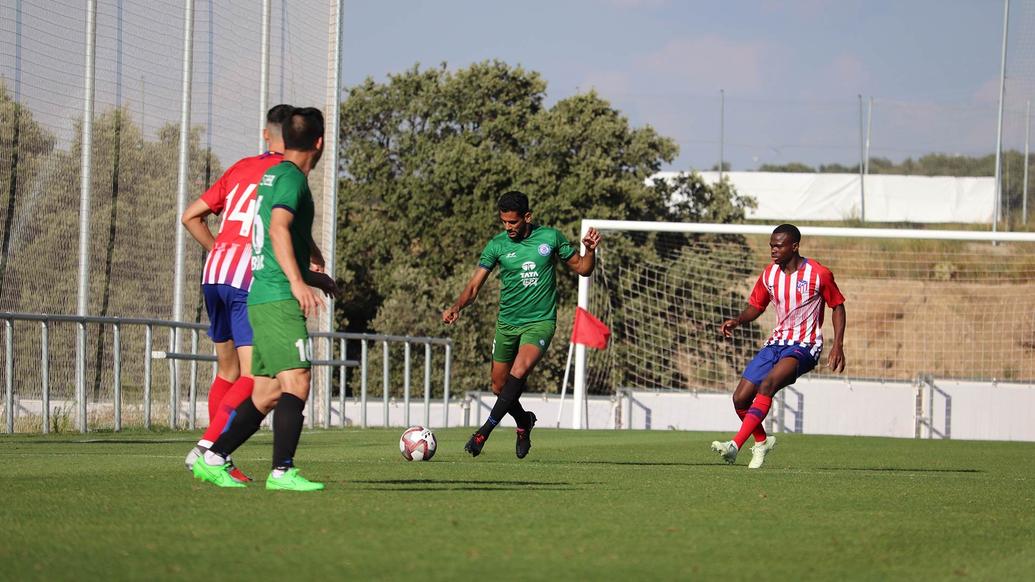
[510, 337]
[281, 339]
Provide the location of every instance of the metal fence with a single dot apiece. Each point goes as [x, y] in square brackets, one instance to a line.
[135, 401]
[113, 115]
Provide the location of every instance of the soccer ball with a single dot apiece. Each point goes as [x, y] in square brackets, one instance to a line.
[417, 444]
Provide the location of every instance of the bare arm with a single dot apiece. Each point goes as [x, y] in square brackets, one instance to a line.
[193, 220]
[316, 260]
[585, 263]
[836, 359]
[749, 314]
[284, 251]
[467, 296]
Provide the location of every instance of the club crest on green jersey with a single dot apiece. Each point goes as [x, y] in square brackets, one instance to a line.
[545, 249]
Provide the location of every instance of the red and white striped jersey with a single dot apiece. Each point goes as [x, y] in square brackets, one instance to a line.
[800, 298]
[230, 262]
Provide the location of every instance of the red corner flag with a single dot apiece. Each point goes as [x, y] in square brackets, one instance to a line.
[589, 330]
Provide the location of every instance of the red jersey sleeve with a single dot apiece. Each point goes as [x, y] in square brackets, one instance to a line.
[759, 295]
[828, 288]
[215, 196]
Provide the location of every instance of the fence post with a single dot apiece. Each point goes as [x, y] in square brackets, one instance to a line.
[85, 186]
[193, 395]
[427, 384]
[148, 341]
[117, 360]
[385, 376]
[406, 383]
[445, 384]
[363, 384]
[9, 375]
[342, 379]
[182, 185]
[45, 373]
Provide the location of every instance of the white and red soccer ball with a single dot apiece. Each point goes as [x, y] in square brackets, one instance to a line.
[417, 444]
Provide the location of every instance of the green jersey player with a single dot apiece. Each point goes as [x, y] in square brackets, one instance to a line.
[286, 264]
[527, 255]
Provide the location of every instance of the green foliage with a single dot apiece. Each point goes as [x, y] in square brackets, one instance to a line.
[425, 156]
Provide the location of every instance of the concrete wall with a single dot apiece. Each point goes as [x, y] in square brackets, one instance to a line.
[980, 411]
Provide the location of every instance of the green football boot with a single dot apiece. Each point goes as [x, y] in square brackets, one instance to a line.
[291, 481]
[218, 475]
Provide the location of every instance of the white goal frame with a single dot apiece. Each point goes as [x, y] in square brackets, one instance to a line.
[578, 420]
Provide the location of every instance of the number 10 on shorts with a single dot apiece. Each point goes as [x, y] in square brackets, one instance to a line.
[305, 349]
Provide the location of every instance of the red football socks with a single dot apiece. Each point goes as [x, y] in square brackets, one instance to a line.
[753, 418]
[759, 433]
[238, 393]
[220, 387]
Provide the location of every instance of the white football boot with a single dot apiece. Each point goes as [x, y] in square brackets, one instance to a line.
[760, 450]
[727, 450]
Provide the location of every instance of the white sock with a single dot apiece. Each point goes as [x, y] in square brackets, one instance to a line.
[214, 459]
[278, 473]
[205, 444]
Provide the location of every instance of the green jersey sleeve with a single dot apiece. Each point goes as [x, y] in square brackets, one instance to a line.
[287, 191]
[564, 248]
[490, 256]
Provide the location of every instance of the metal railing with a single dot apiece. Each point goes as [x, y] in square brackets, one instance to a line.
[926, 390]
[364, 339]
[118, 326]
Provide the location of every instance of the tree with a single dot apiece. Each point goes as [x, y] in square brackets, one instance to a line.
[425, 156]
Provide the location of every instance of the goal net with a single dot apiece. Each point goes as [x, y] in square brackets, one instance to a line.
[947, 303]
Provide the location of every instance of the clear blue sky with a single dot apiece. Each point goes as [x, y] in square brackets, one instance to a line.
[791, 70]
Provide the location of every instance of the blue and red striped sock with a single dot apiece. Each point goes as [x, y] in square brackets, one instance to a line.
[220, 386]
[759, 433]
[753, 419]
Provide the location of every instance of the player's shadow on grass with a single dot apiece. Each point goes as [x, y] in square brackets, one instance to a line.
[457, 482]
[648, 463]
[462, 485]
[900, 469]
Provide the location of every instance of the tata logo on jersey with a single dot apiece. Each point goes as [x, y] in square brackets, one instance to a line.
[529, 276]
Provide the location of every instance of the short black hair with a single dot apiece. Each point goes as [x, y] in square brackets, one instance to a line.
[790, 230]
[278, 114]
[513, 201]
[302, 128]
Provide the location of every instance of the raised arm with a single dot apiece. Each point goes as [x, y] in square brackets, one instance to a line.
[193, 220]
[836, 359]
[749, 314]
[585, 263]
[467, 296]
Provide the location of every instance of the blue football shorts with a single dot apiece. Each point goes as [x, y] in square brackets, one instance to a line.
[763, 362]
[227, 308]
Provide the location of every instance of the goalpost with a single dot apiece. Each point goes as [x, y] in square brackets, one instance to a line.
[950, 303]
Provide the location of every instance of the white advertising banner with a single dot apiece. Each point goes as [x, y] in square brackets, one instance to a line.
[889, 198]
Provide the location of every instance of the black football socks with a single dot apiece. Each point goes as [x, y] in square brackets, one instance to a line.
[244, 422]
[512, 390]
[287, 429]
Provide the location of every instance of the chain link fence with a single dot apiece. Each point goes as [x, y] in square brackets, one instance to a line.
[134, 156]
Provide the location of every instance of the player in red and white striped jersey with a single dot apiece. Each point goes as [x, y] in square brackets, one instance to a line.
[800, 290]
[227, 277]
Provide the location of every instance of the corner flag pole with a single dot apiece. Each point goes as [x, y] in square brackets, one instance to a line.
[579, 388]
[564, 384]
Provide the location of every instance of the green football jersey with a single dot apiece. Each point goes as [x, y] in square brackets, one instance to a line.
[528, 287]
[283, 186]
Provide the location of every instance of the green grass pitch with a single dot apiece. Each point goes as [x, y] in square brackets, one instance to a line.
[583, 505]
